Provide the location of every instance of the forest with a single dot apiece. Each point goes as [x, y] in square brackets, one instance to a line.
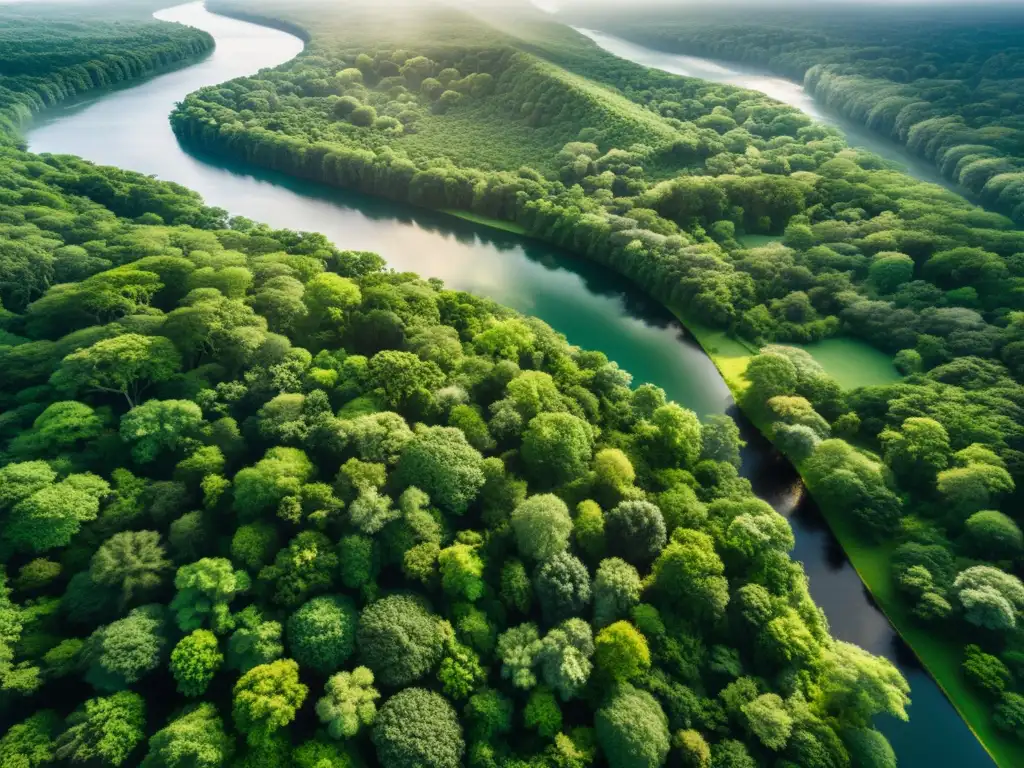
[264, 502]
[665, 182]
[268, 503]
[948, 84]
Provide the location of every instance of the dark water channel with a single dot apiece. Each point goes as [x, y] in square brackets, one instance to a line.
[591, 306]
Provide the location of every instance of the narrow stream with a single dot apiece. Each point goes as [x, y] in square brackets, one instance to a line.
[593, 307]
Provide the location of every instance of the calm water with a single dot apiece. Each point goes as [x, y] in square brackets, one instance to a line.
[591, 306]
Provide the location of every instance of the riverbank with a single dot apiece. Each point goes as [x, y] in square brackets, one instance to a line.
[76, 83]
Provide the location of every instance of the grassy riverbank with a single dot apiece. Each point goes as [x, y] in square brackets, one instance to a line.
[852, 362]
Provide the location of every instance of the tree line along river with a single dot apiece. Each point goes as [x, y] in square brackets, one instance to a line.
[592, 307]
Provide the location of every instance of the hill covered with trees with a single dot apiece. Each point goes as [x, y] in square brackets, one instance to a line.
[265, 502]
[665, 179]
[947, 82]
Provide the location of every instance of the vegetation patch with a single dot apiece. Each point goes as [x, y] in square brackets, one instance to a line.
[853, 363]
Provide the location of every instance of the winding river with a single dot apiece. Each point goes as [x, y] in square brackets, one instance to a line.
[128, 127]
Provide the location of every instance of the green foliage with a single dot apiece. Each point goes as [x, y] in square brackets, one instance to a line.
[205, 589]
[693, 749]
[588, 529]
[542, 526]
[254, 545]
[322, 633]
[50, 516]
[985, 671]
[254, 642]
[990, 598]
[195, 660]
[516, 590]
[349, 703]
[542, 713]
[768, 720]
[279, 474]
[304, 568]
[860, 686]
[440, 462]
[416, 727]
[518, 648]
[616, 591]
[635, 530]
[993, 534]
[160, 427]
[563, 659]
[319, 754]
[690, 570]
[125, 364]
[399, 639]
[266, 699]
[462, 571]
[557, 447]
[263, 334]
[869, 748]
[562, 585]
[632, 729]
[133, 562]
[621, 652]
[30, 743]
[105, 730]
[122, 653]
[196, 739]
[460, 672]
[36, 575]
[720, 439]
[488, 714]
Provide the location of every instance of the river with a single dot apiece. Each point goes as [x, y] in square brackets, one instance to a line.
[594, 308]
